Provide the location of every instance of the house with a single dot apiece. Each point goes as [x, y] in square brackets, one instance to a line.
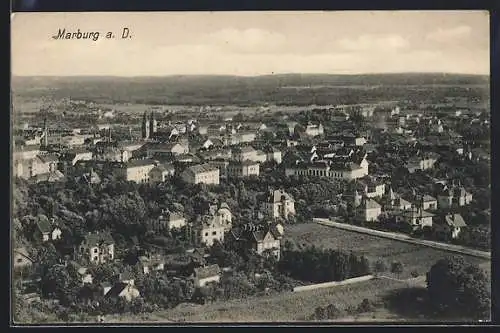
[170, 220]
[85, 276]
[167, 149]
[46, 229]
[420, 163]
[52, 176]
[428, 202]
[211, 226]
[26, 152]
[260, 238]
[202, 173]
[97, 248]
[371, 187]
[245, 137]
[244, 153]
[450, 226]
[75, 155]
[456, 196]
[22, 258]
[417, 217]
[242, 169]
[278, 204]
[160, 173]
[370, 209]
[273, 154]
[123, 290]
[310, 129]
[90, 177]
[205, 275]
[135, 170]
[152, 263]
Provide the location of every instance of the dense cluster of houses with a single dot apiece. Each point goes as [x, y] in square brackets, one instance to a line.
[201, 153]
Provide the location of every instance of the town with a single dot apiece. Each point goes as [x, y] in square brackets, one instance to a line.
[148, 210]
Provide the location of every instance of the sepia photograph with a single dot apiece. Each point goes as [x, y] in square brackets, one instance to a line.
[324, 167]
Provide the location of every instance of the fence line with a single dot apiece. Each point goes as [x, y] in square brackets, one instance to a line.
[405, 238]
[333, 283]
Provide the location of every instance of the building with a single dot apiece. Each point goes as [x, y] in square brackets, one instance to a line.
[273, 154]
[420, 163]
[348, 170]
[22, 259]
[76, 155]
[160, 173]
[170, 220]
[428, 202]
[205, 275]
[370, 210]
[149, 125]
[208, 230]
[152, 263]
[451, 197]
[244, 154]
[46, 229]
[278, 204]
[201, 174]
[242, 169]
[450, 226]
[264, 239]
[135, 170]
[97, 248]
[417, 217]
[166, 149]
[122, 290]
[26, 152]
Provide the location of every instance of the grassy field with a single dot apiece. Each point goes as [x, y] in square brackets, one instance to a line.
[413, 257]
[283, 307]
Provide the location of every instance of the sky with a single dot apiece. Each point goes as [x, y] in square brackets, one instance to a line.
[252, 43]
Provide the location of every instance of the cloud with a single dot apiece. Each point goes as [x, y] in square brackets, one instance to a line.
[251, 40]
[373, 43]
[446, 35]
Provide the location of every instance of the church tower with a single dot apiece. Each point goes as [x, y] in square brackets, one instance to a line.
[145, 126]
[153, 125]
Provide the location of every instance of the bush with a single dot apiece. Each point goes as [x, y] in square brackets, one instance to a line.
[332, 312]
[414, 274]
[365, 306]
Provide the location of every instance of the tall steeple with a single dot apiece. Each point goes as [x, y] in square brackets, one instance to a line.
[152, 124]
[145, 126]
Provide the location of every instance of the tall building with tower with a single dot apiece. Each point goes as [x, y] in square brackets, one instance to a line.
[149, 125]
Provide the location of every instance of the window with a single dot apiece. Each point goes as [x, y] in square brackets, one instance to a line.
[95, 250]
[206, 233]
[19, 260]
[214, 233]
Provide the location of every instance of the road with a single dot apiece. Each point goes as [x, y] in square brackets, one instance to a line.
[407, 239]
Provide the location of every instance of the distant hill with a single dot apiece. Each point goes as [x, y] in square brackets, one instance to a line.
[201, 89]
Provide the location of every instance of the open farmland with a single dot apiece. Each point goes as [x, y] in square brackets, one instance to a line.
[413, 257]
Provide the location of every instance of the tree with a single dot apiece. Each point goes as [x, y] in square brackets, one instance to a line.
[379, 266]
[456, 287]
[397, 268]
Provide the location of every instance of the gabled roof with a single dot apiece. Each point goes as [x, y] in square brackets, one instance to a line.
[202, 168]
[139, 163]
[116, 289]
[44, 224]
[455, 220]
[208, 271]
[94, 239]
[428, 198]
[47, 158]
[371, 204]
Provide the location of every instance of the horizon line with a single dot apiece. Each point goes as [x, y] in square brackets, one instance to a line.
[250, 76]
